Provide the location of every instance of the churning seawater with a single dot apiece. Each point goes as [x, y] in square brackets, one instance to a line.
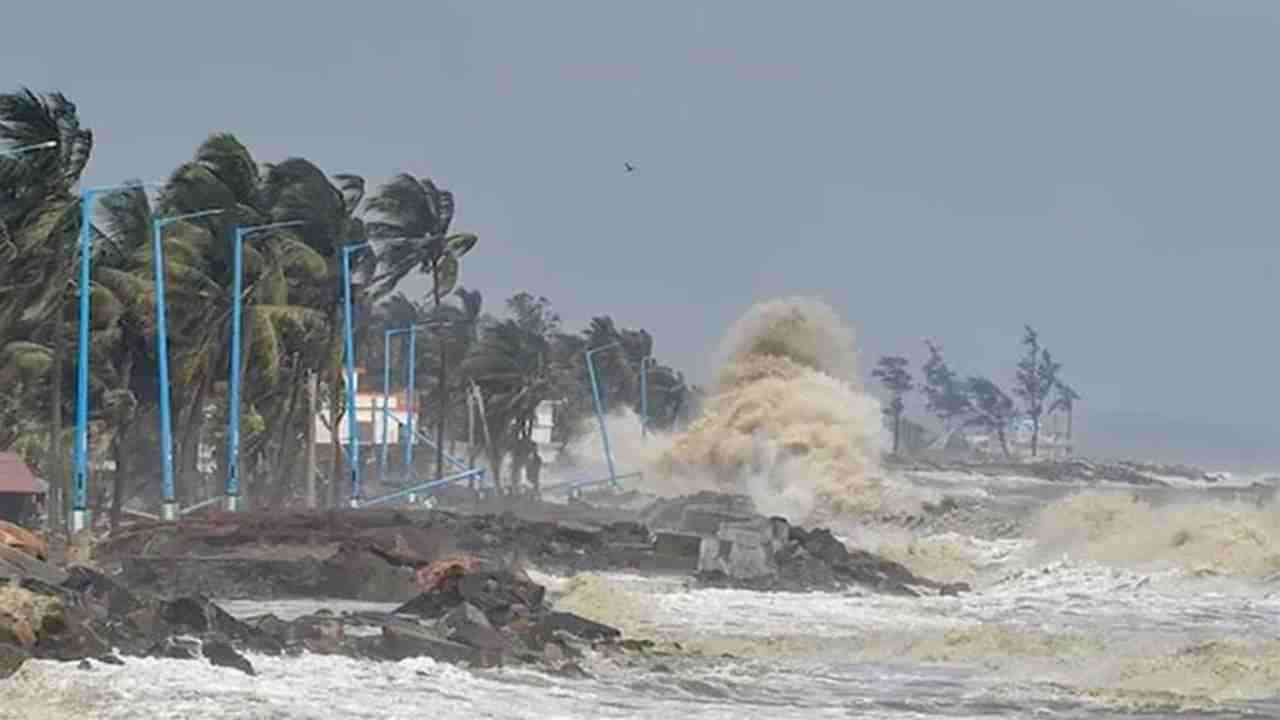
[1062, 624]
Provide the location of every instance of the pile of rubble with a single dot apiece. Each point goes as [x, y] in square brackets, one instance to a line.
[470, 613]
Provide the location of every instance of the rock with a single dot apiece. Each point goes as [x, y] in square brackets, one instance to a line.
[501, 595]
[467, 625]
[175, 649]
[677, 551]
[84, 665]
[81, 636]
[11, 659]
[571, 670]
[744, 550]
[199, 615]
[358, 573]
[578, 626]
[109, 660]
[495, 592]
[92, 584]
[553, 654]
[219, 652]
[18, 564]
[401, 640]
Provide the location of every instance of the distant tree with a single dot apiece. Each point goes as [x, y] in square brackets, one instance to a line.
[892, 372]
[945, 395]
[1037, 379]
[1065, 401]
[992, 409]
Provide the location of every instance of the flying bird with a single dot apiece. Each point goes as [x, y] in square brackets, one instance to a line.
[630, 168]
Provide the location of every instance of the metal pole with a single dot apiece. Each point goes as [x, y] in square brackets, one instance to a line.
[233, 401]
[14, 152]
[80, 491]
[386, 405]
[599, 408]
[471, 430]
[79, 519]
[353, 426]
[169, 509]
[410, 410]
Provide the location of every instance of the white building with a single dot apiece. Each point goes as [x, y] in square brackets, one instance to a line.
[372, 422]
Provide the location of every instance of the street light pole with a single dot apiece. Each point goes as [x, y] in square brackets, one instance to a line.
[599, 407]
[353, 427]
[233, 391]
[169, 508]
[80, 484]
[24, 149]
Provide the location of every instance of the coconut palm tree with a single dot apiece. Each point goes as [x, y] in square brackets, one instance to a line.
[223, 175]
[418, 214]
[298, 190]
[38, 213]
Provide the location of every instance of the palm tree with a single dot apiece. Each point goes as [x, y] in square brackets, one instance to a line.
[418, 214]
[298, 190]
[37, 215]
[223, 175]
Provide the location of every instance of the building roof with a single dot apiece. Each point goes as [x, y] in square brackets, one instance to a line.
[16, 477]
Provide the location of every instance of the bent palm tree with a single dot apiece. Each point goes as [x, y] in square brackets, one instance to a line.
[418, 214]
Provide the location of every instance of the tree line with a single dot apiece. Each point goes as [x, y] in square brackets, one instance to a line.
[977, 401]
[292, 314]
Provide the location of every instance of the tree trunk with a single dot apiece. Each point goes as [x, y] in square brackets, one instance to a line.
[311, 439]
[1035, 434]
[57, 477]
[1004, 442]
[443, 411]
[281, 479]
[191, 435]
[336, 409]
[1070, 445]
[897, 429]
[117, 489]
[494, 454]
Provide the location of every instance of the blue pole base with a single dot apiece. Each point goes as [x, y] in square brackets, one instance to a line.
[169, 511]
[413, 498]
[355, 503]
[79, 520]
[233, 503]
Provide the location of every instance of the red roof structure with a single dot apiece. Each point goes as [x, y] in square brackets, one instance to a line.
[17, 478]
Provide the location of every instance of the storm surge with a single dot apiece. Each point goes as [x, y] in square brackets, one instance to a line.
[787, 421]
[1204, 537]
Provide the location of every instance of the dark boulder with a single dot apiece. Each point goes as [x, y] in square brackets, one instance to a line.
[402, 640]
[219, 652]
[198, 615]
[93, 586]
[466, 624]
[172, 648]
[494, 592]
[11, 659]
[579, 627]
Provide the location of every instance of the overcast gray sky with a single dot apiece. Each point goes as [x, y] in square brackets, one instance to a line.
[1106, 171]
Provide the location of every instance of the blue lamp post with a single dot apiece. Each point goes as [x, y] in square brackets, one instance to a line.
[353, 427]
[169, 509]
[80, 484]
[24, 149]
[599, 407]
[233, 392]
